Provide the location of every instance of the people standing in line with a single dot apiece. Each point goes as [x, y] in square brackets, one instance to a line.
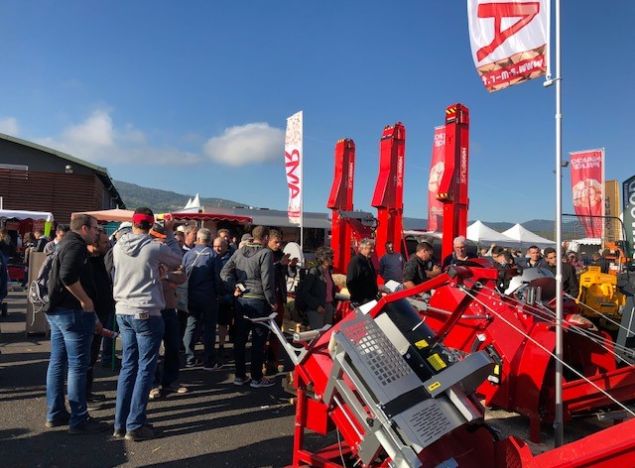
[166, 378]
[361, 278]
[202, 269]
[391, 265]
[72, 320]
[104, 305]
[139, 300]
[51, 246]
[569, 278]
[226, 298]
[319, 290]
[249, 273]
[280, 264]
[459, 253]
[420, 267]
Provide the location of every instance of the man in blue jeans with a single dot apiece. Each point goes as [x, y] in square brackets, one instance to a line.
[202, 267]
[71, 316]
[249, 272]
[139, 300]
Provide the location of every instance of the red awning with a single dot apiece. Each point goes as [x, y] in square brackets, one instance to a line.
[213, 217]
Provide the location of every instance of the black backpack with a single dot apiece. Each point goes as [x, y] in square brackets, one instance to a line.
[38, 289]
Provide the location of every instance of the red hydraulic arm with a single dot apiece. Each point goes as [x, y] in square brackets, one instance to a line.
[388, 196]
[453, 186]
[341, 200]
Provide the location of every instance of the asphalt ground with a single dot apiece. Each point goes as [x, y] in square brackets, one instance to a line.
[216, 424]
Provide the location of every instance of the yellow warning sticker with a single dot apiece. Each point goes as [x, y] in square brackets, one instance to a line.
[421, 344]
[436, 362]
[497, 369]
[433, 386]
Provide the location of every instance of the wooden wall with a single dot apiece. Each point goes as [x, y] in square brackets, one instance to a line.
[61, 194]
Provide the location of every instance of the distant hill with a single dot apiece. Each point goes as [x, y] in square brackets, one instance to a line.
[134, 195]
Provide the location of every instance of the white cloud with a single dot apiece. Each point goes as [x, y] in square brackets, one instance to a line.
[9, 126]
[97, 139]
[246, 144]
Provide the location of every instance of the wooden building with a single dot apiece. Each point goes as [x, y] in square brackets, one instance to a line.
[37, 178]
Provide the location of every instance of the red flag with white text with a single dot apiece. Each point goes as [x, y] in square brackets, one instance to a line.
[293, 165]
[587, 185]
[437, 165]
[509, 40]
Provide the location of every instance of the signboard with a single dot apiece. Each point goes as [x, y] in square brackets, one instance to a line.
[509, 40]
[587, 185]
[293, 165]
[612, 226]
[628, 197]
[437, 165]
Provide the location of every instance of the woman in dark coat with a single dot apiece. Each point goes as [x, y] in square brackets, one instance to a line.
[319, 292]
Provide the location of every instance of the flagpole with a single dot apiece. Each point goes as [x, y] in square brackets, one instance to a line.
[558, 422]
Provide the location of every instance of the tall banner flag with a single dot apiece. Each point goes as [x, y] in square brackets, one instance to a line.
[509, 40]
[293, 164]
[628, 200]
[437, 165]
[587, 185]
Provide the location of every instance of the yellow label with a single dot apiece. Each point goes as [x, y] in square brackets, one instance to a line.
[421, 344]
[433, 386]
[436, 362]
[497, 369]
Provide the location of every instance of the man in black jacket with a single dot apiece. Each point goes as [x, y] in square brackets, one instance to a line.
[71, 316]
[361, 278]
[569, 278]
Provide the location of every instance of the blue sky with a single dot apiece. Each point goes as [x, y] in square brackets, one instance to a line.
[176, 95]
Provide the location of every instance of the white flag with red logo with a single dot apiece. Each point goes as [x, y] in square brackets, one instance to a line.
[293, 165]
[509, 40]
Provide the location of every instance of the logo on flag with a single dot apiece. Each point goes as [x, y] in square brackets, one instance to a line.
[293, 165]
[509, 40]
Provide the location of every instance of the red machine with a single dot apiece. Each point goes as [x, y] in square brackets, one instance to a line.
[341, 201]
[453, 185]
[388, 196]
[381, 389]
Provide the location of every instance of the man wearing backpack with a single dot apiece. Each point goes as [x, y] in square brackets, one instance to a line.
[71, 316]
[249, 272]
[138, 294]
[202, 268]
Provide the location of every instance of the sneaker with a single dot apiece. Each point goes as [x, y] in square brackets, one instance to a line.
[213, 367]
[119, 434]
[240, 381]
[59, 421]
[145, 432]
[176, 388]
[196, 363]
[155, 393]
[264, 382]
[90, 426]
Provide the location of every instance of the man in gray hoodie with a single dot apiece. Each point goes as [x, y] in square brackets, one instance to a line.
[250, 274]
[139, 296]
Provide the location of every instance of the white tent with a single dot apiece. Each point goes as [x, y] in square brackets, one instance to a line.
[21, 214]
[484, 235]
[525, 237]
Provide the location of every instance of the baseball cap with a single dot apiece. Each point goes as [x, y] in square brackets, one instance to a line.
[246, 237]
[158, 231]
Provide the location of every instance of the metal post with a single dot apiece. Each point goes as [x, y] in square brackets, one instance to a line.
[558, 420]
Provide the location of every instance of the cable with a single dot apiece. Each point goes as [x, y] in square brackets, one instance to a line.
[514, 327]
[339, 444]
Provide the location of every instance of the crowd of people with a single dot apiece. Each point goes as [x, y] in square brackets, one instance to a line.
[159, 284]
[186, 285]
